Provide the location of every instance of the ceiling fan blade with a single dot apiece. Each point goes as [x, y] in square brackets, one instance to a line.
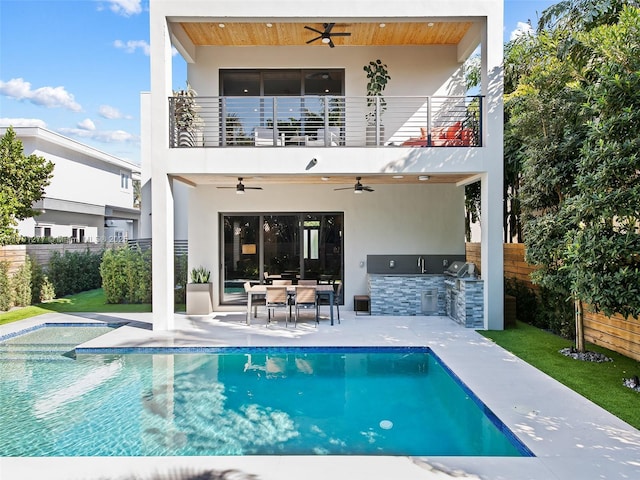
[328, 27]
[341, 34]
[331, 44]
[313, 29]
[344, 188]
[367, 188]
[252, 188]
[314, 39]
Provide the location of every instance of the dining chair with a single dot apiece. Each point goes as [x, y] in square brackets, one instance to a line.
[281, 282]
[276, 297]
[337, 298]
[256, 300]
[306, 297]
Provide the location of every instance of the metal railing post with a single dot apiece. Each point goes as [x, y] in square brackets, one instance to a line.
[223, 121]
[480, 120]
[326, 122]
[429, 121]
[275, 121]
[172, 123]
[377, 121]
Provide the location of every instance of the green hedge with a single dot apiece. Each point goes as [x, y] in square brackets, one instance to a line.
[5, 287]
[41, 287]
[126, 275]
[75, 272]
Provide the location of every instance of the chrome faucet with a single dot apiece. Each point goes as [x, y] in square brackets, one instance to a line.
[421, 265]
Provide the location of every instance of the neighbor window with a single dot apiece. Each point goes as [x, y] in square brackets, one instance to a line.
[125, 178]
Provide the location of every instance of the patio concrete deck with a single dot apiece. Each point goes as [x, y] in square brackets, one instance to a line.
[571, 437]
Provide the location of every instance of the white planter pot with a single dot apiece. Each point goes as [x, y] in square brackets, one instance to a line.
[199, 298]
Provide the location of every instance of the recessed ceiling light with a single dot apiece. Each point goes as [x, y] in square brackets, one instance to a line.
[424, 178]
[324, 179]
[382, 25]
[221, 25]
[269, 25]
[398, 176]
[430, 24]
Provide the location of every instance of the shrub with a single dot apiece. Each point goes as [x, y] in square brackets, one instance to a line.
[180, 274]
[556, 314]
[41, 287]
[5, 287]
[526, 299]
[21, 284]
[75, 272]
[126, 275]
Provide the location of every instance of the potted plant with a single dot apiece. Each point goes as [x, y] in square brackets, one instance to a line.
[187, 122]
[377, 79]
[200, 292]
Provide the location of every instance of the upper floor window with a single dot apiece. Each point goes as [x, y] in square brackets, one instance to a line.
[282, 82]
[125, 180]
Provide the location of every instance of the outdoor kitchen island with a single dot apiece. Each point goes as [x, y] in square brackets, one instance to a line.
[456, 293]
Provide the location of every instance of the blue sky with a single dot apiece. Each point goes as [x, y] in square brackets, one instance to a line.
[77, 67]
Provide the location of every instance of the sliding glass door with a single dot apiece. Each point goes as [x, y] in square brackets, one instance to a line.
[257, 247]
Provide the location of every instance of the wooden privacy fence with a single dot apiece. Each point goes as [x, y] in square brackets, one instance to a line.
[615, 333]
[41, 253]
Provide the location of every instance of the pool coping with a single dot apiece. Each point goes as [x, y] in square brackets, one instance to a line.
[570, 436]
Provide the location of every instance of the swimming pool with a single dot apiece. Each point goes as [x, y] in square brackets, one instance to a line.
[236, 401]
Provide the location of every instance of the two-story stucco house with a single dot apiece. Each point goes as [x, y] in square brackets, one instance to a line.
[90, 197]
[294, 168]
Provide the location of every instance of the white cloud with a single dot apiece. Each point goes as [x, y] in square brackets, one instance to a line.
[126, 8]
[112, 113]
[87, 124]
[523, 28]
[22, 122]
[132, 45]
[50, 97]
[105, 136]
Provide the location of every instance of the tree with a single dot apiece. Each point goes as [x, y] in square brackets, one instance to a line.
[23, 182]
[575, 113]
[604, 251]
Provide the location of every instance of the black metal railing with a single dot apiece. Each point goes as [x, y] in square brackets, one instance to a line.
[325, 121]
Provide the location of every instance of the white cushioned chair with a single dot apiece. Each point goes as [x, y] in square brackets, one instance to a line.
[332, 140]
[264, 137]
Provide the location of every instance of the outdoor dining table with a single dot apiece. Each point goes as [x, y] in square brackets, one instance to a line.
[261, 290]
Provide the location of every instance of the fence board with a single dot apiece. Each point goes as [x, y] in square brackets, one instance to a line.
[615, 333]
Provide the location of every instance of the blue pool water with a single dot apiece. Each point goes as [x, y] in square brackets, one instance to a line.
[285, 401]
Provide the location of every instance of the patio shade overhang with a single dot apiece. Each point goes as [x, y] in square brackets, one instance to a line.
[381, 32]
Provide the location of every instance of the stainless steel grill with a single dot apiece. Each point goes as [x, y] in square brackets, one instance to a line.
[458, 270]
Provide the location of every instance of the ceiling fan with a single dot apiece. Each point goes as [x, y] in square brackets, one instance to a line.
[325, 36]
[240, 188]
[358, 187]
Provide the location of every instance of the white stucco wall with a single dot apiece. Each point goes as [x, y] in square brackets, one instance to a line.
[407, 219]
[430, 70]
[84, 181]
[80, 178]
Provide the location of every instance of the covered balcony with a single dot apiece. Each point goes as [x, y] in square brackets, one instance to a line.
[325, 121]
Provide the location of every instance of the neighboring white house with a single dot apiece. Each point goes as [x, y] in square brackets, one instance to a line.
[407, 158]
[90, 197]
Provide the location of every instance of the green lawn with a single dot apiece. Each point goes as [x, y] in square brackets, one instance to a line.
[90, 301]
[599, 382]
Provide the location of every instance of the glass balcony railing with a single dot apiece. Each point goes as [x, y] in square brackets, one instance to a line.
[325, 121]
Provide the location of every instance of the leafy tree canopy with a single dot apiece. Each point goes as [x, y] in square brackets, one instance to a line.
[604, 251]
[24, 179]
